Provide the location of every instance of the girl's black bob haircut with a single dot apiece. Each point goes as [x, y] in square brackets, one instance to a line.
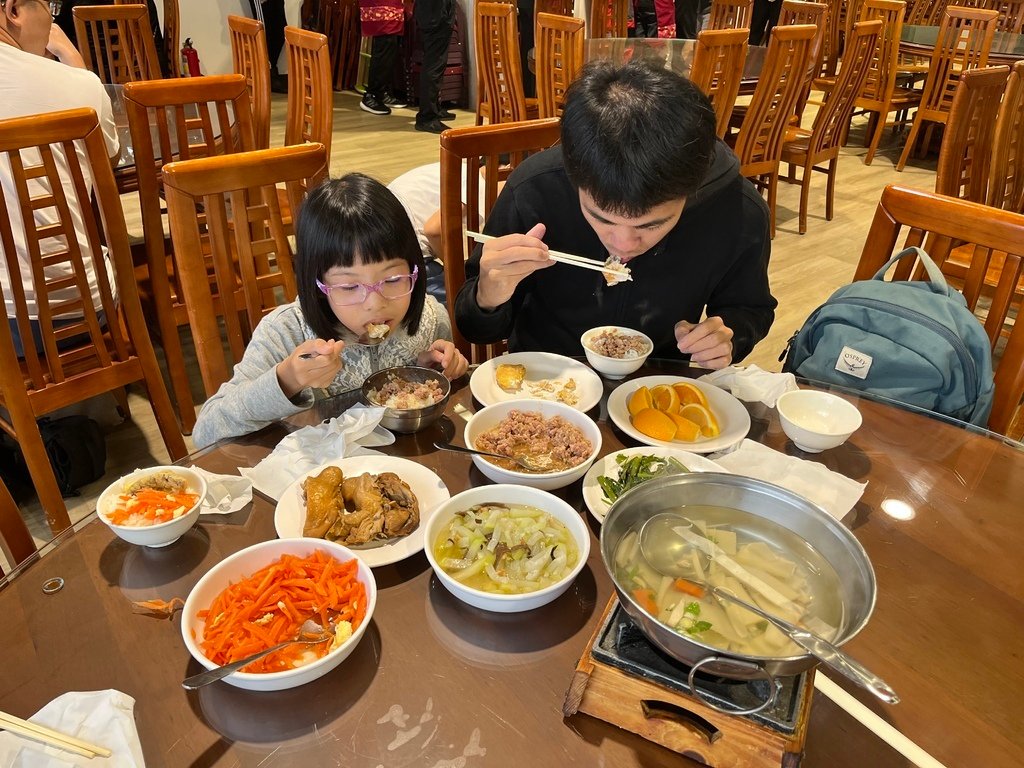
[354, 218]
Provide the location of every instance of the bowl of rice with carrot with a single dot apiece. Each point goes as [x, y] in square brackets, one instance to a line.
[270, 593]
[153, 507]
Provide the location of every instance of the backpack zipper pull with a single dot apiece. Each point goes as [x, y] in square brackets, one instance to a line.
[789, 345]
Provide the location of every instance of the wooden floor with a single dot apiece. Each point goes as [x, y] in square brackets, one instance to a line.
[804, 269]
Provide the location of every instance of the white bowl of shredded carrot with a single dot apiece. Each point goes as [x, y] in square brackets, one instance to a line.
[262, 595]
[153, 507]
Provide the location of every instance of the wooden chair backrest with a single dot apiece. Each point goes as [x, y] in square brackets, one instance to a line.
[938, 223]
[238, 195]
[804, 12]
[116, 42]
[183, 119]
[310, 115]
[924, 12]
[965, 159]
[497, 51]
[764, 125]
[730, 14]
[559, 59]
[832, 44]
[608, 18]
[1011, 15]
[554, 7]
[16, 542]
[339, 21]
[464, 152]
[881, 80]
[965, 37]
[1006, 182]
[172, 36]
[834, 115]
[59, 168]
[249, 58]
[717, 70]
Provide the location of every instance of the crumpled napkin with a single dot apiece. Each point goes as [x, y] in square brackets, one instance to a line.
[834, 492]
[351, 434]
[104, 718]
[224, 493]
[752, 384]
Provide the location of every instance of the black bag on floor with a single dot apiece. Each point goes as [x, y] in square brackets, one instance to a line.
[77, 451]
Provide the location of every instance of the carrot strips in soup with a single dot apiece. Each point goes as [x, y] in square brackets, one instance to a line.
[149, 506]
[271, 605]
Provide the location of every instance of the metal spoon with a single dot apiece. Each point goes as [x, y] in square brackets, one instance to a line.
[524, 462]
[310, 633]
[659, 556]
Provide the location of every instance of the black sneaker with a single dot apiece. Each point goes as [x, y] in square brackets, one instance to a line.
[445, 114]
[392, 101]
[278, 83]
[373, 105]
[434, 126]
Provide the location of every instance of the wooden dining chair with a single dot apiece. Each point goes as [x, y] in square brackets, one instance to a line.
[172, 36]
[244, 239]
[86, 350]
[937, 223]
[554, 7]
[180, 120]
[717, 70]
[880, 94]
[1006, 177]
[821, 143]
[965, 37]
[310, 116]
[338, 20]
[832, 42]
[925, 13]
[608, 18]
[1011, 16]
[16, 542]
[249, 58]
[497, 52]
[966, 153]
[559, 60]
[481, 154]
[116, 42]
[804, 12]
[763, 130]
[730, 14]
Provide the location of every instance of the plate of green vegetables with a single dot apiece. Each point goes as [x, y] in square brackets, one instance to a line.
[621, 471]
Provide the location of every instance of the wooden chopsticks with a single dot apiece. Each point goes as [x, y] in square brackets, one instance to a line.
[51, 737]
[567, 258]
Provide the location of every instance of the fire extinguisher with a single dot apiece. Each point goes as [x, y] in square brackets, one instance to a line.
[190, 59]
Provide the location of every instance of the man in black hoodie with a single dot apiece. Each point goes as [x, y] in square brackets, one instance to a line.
[639, 176]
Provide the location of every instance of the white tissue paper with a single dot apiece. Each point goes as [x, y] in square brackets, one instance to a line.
[224, 493]
[752, 384]
[834, 492]
[351, 434]
[103, 718]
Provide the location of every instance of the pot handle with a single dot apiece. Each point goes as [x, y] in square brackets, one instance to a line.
[758, 671]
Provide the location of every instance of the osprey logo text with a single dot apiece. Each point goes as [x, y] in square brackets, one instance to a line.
[854, 363]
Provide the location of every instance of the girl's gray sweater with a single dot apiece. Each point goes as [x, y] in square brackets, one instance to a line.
[253, 397]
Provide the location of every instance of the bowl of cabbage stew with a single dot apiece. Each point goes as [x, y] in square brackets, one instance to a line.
[506, 548]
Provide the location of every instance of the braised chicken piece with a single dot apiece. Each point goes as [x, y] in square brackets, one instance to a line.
[359, 510]
[324, 502]
[402, 513]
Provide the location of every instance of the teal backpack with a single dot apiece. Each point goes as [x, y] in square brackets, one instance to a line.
[913, 341]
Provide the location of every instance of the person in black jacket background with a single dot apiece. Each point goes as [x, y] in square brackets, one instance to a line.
[435, 20]
[641, 177]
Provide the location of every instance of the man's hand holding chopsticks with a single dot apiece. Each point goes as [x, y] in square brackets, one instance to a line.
[504, 263]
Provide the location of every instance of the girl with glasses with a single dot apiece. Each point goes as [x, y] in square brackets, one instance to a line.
[360, 275]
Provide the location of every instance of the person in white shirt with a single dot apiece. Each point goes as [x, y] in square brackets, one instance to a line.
[31, 84]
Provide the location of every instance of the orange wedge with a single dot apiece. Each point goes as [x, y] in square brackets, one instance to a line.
[703, 417]
[665, 398]
[686, 430]
[639, 400]
[690, 393]
[654, 423]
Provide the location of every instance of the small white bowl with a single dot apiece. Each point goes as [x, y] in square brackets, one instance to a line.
[817, 421]
[245, 563]
[160, 534]
[508, 494]
[489, 417]
[614, 367]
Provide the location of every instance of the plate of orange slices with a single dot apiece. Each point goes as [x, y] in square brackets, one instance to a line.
[675, 412]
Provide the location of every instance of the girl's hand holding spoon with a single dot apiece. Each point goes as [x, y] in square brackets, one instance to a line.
[313, 363]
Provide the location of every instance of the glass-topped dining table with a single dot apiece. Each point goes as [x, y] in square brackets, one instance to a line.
[435, 682]
[1007, 47]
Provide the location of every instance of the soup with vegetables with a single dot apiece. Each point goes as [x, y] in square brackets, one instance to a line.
[754, 559]
[506, 548]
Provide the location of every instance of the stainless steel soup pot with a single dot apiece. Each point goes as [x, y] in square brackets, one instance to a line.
[833, 541]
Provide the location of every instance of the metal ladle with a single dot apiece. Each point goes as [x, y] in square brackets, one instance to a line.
[659, 536]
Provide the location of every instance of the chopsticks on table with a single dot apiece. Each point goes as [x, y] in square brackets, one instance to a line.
[51, 737]
[567, 258]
